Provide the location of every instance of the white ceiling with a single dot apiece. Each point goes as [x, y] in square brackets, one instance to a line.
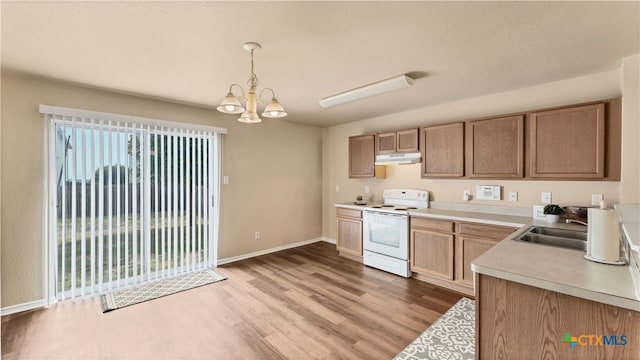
[191, 51]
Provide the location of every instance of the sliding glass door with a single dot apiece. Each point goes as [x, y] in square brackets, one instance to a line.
[132, 202]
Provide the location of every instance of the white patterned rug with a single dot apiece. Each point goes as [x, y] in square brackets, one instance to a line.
[452, 336]
[119, 299]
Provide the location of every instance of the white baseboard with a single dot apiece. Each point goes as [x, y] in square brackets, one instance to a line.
[23, 307]
[268, 251]
[328, 239]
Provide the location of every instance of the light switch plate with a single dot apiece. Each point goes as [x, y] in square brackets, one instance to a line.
[545, 198]
[488, 192]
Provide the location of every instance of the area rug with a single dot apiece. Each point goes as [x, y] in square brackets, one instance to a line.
[122, 298]
[451, 337]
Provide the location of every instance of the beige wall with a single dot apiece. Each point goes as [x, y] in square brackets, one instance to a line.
[275, 175]
[630, 74]
[587, 88]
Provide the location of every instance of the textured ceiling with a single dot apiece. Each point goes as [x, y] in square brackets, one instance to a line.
[191, 51]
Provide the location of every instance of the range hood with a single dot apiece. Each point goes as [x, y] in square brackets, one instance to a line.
[400, 158]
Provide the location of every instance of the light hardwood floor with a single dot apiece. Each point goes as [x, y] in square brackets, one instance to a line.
[302, 303]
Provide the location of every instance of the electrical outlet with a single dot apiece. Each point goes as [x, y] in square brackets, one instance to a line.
[596, 198]
[337, 188]
[466, 195]
[257, 236]
[545, 198]
[366, 189]
[225, 180]
[513, 196]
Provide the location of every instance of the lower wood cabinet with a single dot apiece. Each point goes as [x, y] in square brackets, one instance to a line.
[468, 249]
[349, 233]
[441, 251]
[433, 253]
[517, 321]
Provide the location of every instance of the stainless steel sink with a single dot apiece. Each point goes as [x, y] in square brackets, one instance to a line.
[568, 239]
[571, 234]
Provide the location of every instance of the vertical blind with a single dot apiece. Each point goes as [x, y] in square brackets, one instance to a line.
[132, 199]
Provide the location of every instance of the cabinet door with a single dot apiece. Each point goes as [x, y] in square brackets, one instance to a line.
[349, 236]
[431, 253]
[568, 143]
[495, 147]
[443, 151]
[467, 250]
[386, 143]
[361, 156]
[407, 141]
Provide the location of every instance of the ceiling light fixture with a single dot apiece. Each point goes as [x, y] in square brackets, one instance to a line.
[378, 87]
[231, 103]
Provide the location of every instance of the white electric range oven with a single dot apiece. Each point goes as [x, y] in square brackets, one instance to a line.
[386, 230]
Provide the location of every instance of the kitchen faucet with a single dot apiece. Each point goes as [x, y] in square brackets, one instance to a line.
[569, 221]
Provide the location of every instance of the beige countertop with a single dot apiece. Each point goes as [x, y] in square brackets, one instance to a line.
[557, 269]
[553, 268]
[354, 206]
[479, 217]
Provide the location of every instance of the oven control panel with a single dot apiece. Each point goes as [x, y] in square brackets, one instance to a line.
[405, 194]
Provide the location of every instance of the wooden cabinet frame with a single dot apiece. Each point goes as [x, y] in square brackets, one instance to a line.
[461, 262]
[495, 147]
[517, 321]
[349, 240]
[459, 235]
[568, 143]
[443, 261]
[401, 141]
[361, 156]
[522, 153]
[442, 151]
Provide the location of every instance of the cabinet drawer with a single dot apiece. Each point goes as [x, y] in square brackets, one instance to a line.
[349, 213]
[431, 224]
[485, 231]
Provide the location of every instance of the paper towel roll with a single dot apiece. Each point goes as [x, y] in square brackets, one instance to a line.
[603, 235]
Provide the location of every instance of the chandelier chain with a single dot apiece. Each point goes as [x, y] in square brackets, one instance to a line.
[253, 80]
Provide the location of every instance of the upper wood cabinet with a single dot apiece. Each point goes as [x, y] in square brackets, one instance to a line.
[577, 142]
[568, 143]
[397, 142]
[442, 150]
[361, 156]
[386, 143]
[495, 147]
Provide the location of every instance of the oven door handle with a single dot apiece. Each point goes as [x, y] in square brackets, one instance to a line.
[383, 214]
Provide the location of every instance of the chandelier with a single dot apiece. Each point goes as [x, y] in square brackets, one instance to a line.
[231, 104]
